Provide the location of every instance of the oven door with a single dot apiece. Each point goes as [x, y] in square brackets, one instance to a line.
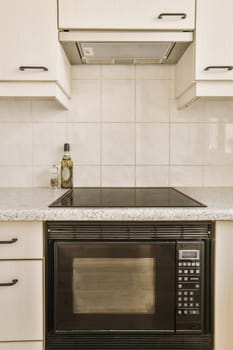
[114, 286]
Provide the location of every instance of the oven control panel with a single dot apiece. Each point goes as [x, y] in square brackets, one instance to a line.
[189, 285]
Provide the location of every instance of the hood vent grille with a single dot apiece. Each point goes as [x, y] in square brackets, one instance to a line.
[124, 53]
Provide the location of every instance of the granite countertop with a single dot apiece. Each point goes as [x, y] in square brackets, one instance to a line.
[31, 204]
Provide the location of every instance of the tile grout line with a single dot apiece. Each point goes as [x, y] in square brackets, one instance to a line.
[101, 126]
[135, 127]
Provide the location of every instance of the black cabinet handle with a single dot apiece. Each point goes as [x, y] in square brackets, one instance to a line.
[9, 284]
[13, 240]
[23, 68]
[218, 67]
[181, 15]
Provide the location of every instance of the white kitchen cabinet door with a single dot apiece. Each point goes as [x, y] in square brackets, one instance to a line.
[127, 14]
[21, 302]
[29, 38]
[21, 240]
[223, 335]
[214, 41]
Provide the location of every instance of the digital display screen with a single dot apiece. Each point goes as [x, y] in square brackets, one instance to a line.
[189, 254]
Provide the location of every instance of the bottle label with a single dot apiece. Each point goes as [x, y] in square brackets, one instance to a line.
[66, 173]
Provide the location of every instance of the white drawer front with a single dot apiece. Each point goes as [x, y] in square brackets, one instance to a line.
[21, 240]
[21, 346]
[127, 14]
[21, 305]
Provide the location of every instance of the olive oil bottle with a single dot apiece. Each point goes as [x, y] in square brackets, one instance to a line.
[66, 168]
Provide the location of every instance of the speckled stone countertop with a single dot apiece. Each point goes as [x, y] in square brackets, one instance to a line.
[32, 205]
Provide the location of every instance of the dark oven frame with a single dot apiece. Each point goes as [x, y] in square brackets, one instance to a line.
[133, 233]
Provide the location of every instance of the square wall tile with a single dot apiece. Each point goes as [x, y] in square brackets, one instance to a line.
[48, 143]
[221, 176]
[118, 144]
[118, 176]
[16, 144]
[85, 143]
[85, 72]
[85, 102]
[41, 176]
[48, 112]
[152, 100]
[186, 176]
[87, 176]
[152, 144]
[15, 176]
[153, 72]
[118, 72]
[218, 111]
[15, 111]
[191, 114]
[118, 101]
[186, 144]
[152, 176]
[218, 143]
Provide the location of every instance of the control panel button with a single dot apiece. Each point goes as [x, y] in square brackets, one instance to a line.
[197, 304]
[180, 278]
[197, 271]
[179, 312]
[179, 293]
[197, 286]
[180, 271]
[179, 286]
[185, 271]
[185, 312]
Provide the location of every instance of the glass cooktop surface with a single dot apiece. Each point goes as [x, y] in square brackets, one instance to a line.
[125, 197]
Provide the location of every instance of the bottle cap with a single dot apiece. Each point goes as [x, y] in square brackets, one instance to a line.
[66, 147]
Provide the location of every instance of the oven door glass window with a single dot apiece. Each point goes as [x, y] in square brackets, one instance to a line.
[114, 286]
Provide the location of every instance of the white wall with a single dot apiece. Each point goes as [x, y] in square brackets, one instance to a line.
[124, 130]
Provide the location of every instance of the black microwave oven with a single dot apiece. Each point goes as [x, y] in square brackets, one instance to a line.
[129, 285]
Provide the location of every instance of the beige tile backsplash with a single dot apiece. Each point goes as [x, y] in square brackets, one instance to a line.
[124, 130]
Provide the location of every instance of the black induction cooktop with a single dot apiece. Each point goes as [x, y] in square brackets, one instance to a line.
[125, 197]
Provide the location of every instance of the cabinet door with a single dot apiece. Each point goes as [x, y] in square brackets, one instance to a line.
[28, 37]
[127, 14]
[21, 300]
[214, 41]
[224, 286]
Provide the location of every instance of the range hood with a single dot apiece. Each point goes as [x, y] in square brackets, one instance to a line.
[124, 47]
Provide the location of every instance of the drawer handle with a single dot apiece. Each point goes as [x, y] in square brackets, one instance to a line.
[23, 68]
[9, 284]
[218, 67]
[181, 15]
[13, 240]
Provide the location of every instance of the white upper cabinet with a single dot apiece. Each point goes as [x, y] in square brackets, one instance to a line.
[127, 14]
[206, 68]
[214, 41]
[30, 50]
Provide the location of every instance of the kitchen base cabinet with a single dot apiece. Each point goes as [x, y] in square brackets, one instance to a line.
[21, 346]
[224, 286]
[21, 285]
